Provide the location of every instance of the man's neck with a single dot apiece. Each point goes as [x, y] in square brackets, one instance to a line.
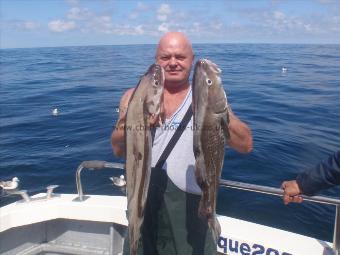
[173, 97]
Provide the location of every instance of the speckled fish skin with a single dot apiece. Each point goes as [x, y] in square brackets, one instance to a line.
[145, 107]
[211, 118]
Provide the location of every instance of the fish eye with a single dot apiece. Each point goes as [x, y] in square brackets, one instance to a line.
[156, 83]
[209, 82]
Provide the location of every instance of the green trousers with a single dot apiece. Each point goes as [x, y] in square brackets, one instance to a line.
[171, 224]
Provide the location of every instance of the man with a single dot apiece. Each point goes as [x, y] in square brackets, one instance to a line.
[171, 224]
[325, 175]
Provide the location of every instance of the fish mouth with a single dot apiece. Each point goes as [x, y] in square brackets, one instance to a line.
[207, 64]
[155, 68]
[157, 73]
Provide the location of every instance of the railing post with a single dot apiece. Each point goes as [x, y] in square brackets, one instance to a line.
[78, 182]
[92, 165]
[336, 236]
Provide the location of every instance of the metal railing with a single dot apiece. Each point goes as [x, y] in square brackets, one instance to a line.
[96, 165]
[92, 165]
[279, 192]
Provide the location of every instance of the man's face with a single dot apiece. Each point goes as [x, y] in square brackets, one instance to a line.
[176, 57]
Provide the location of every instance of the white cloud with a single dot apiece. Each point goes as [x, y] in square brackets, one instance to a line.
[138, 10]
[139, 30]
[133, 15]
[76, 13]
[61, 26]
[163, 28]
[248, 22]
[196, 27]
[163, 12]
[216, 25]
[277, 22]
[101, 24]
[103, 20]
[89, 21]
[127, 30]
[22, 25]
[279, 15]
[30, 25]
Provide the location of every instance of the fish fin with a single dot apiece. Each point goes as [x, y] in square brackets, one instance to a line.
[200, 170]
[224, 124]
[201, 180]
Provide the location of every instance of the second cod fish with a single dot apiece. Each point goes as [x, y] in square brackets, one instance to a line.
[144, 110]
[211, 118]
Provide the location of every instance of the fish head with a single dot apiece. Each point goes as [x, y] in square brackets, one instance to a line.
[154, 97]
[207, 86]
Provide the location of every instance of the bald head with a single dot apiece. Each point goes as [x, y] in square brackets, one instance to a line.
[174, 39]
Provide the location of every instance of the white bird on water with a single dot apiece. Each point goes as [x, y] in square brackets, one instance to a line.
[55, 112]
[118, 181]
[10, 185]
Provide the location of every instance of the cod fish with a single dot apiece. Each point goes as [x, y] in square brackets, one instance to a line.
[211, 118]
[144, 111]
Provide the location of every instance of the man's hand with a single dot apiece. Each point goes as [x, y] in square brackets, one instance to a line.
[241, 138]
[291, 192]
[118, 134]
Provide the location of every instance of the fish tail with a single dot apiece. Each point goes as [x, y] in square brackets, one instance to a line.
[133, 248]
[215, 227]
[133, 241]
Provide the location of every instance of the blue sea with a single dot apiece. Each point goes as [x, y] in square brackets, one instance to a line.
[288, 94]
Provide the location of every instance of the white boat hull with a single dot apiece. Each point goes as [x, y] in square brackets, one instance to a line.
[97, 225]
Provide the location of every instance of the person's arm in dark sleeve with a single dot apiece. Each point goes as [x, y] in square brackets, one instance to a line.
[325, 175]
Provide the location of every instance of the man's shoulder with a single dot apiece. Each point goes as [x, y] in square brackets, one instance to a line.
[127, 95]
[129, 92]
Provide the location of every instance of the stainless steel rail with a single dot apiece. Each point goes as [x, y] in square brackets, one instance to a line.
[279, 192]
[275, 191]
[92, 165]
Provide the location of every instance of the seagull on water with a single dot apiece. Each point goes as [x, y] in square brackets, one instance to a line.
[55, 112]
[118, 181]
[10, 185]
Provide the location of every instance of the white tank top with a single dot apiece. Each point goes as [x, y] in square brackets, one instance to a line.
[180, 165]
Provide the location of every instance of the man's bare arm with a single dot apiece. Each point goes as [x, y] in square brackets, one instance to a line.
[118, 134]
[241, 138]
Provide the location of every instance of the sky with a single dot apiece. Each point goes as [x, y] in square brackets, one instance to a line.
[54, 23]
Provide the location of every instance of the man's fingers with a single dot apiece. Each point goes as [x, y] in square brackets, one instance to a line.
[297, 199]
[289, 199]
[290, 192]
[286, 199]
